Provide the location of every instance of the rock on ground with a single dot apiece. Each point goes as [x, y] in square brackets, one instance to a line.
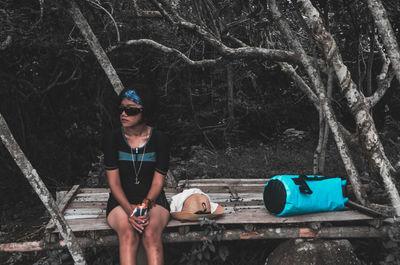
[313, 252]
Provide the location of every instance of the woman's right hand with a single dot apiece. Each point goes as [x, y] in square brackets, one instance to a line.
[139, 222]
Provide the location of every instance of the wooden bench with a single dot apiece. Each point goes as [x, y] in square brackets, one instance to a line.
[245, 216]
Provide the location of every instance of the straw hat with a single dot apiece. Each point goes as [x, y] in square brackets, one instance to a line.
[194, 206]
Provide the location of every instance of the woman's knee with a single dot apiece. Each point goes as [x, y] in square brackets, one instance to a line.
[128, 237]
[151, 235]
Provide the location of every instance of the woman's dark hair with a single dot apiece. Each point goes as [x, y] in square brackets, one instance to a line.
[148, 98]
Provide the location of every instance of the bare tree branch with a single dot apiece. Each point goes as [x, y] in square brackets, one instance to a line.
[387, 34]
[144, 13]
[109, 15]
[165, 49]
[383, 79]
[291, 72]
[383, 86]
[231, 53]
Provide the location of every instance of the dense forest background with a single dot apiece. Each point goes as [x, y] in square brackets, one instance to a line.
[238, 116]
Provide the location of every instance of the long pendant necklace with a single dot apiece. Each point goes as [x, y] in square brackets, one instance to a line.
[137, 181]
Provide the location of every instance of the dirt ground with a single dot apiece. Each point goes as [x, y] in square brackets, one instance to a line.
[23, 217]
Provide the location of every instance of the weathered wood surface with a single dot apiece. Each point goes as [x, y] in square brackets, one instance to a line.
[242, 200]
[92, 223]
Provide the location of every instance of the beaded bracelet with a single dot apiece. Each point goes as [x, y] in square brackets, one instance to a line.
[149, 202]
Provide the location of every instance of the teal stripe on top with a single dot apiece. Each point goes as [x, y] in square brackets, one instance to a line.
[148, 157]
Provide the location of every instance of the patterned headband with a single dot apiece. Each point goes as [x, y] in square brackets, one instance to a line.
[132, 96]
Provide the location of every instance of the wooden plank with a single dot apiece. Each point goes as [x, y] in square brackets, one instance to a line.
[223, 180]
[206, 185]
[198, 183]
[95, 212]
[222, 184]
[92, 224]
[225, 188]
[94, 190]
[85, 211]
[107, 190]
[207, 188]
[63, 204]
[79, 205]
[215, 197]
[103, 204]
[100, 212]
[91, 197]
[261, 217]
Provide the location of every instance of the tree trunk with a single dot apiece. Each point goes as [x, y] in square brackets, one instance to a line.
[41, 190]
[386, 32]
[359, 108]
[324, 101]
[322, 157]
[94, 45]
[318, 150]
[229, 77]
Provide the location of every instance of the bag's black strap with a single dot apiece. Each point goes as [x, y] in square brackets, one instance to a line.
[301, 181]
[311, 178]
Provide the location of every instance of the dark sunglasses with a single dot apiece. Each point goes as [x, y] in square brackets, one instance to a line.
[130, 111]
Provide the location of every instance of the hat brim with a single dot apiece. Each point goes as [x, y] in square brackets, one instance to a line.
[187, 216]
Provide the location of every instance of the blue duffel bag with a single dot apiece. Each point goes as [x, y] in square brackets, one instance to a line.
[286, 195]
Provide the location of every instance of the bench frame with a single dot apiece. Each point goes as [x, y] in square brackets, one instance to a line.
[245, 218]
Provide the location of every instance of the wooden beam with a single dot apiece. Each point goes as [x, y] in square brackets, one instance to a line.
[227, 235]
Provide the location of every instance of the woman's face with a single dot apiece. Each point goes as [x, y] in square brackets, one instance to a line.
[130, 120]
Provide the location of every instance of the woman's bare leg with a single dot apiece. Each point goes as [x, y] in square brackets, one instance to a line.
[127, 236]
[152, 241]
